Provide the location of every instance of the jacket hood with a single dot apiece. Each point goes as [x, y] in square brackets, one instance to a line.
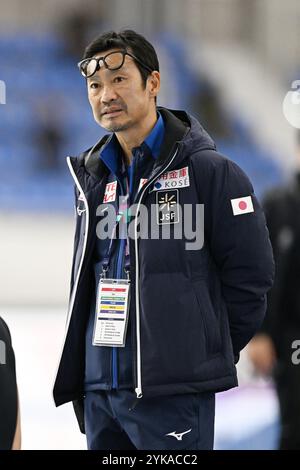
[196, 138]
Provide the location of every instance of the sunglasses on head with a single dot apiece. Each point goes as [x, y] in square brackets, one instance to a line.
[112, 61]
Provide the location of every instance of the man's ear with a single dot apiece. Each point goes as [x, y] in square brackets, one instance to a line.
[154, 83]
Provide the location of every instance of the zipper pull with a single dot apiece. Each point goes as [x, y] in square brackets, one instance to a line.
[138, 392]
[103, 274]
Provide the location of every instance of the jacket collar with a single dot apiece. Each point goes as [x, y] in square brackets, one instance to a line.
[111, 153]
[179, 128]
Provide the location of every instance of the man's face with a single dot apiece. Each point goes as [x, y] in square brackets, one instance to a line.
[118, 98]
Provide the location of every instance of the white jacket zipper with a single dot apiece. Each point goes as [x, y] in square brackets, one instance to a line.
[71, 304]
[139, 390]
[81, 193]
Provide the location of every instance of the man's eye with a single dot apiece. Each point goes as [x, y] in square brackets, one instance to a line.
[94, 85]
[119, 79]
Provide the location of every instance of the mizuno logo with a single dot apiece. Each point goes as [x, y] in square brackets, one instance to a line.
[178, 436]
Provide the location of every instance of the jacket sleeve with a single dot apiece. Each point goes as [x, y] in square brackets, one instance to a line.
[272, 205]
[240, 247]
[280, 207]
[8, 389]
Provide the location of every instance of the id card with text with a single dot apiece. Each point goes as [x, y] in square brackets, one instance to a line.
[112, 310]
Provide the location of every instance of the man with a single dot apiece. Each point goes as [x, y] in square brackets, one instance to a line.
[147, 377]
[10, 430]
[274, 349]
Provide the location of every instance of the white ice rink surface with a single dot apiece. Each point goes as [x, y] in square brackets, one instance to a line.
[38, 334]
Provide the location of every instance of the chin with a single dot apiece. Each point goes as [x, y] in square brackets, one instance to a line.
[114, 126]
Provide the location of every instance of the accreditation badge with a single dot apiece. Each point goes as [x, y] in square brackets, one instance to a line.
[112, 311]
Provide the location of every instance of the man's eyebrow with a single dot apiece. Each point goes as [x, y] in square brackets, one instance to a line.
[111, 72]
[121, 70]
[94, 78]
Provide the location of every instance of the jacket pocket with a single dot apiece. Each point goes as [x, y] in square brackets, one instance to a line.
[209, 317]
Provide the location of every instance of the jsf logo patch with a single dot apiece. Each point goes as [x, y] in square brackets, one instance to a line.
[167, 207]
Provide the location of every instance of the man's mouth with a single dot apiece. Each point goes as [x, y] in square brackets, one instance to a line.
[112, 112]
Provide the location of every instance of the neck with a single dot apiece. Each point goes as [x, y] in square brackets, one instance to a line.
[135, 137]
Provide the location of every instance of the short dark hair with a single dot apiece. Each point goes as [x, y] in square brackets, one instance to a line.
[130, 40]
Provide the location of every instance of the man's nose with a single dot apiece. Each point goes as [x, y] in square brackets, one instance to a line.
[108, 94]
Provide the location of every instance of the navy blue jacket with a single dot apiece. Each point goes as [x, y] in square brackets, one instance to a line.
[193, 310]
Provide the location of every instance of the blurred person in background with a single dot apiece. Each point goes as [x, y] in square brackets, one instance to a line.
[48, 136]
[206, 105]
[191, 311]
[76, 25]
[271, 351]
[10, 429]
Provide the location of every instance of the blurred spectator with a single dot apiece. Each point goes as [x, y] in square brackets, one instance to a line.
[75, 30]
[76, 26]
[271, 350]
[10, 432]
[48, 136]
[206, 105]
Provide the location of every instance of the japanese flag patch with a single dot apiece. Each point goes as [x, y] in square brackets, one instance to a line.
[242, 205]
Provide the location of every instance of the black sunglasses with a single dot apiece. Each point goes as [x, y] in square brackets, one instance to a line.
[112, 61]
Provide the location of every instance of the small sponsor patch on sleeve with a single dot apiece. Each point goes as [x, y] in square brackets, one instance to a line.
[142, 182]
[110, 192]
[242, 205]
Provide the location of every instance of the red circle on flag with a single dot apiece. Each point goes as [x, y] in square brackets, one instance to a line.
[242, 205]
